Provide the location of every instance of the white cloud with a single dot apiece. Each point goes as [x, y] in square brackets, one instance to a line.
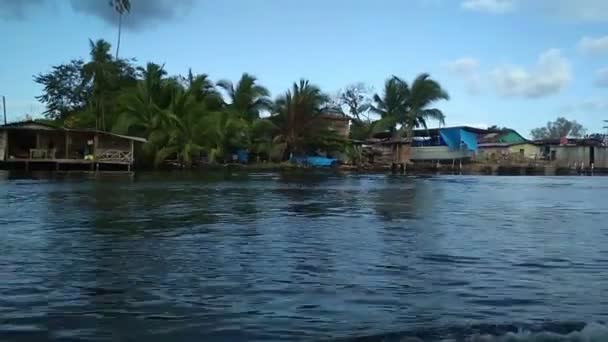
[489, 6]
[462, 66]
[548, 77]
[577, 10]
[468, 69]
[571, 10]
[601, 78]
[594, 46]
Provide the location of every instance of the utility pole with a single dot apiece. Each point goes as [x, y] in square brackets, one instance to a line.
[4, 108]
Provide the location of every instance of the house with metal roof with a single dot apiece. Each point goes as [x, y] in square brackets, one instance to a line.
[31, 144]
[506, 144]
[445, 144]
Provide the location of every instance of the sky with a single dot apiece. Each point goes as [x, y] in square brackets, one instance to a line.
[514, 63]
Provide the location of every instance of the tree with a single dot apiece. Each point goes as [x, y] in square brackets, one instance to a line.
[182, 136]
[108, 78]
[120, 6]
[204, 90]
[65, 90]
[142, 107]
[247, 97]
[409, 105]
[559, 128]
[100, 71]
[298, 118]
[355, 97]
[225, 132]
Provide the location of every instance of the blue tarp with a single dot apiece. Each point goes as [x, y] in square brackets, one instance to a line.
[455, 137]
[243, 156]
[451, 136]
[469, 139]
[314, 161]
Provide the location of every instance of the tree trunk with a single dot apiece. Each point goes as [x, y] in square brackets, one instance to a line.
[119, 34]
[103, 117]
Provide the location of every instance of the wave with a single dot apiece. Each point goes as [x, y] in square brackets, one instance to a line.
[548, 332]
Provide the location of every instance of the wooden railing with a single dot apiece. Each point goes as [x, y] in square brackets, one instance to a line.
[42, 153]
[114, 156]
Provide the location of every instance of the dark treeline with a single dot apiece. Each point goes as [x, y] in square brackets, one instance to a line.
[185, 116]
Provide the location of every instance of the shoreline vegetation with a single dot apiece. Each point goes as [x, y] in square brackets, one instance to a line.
[190, 119]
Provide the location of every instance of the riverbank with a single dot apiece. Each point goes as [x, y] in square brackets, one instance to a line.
[409, 169]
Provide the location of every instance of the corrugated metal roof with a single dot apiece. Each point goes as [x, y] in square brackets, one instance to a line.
[40, 126]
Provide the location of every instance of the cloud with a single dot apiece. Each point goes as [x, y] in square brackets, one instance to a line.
[594, 46]
[489, 6]
[601, 78]
[18, 9]
[468, 69]
[586, 106]
[571, 10]
[463, 66]
[143, 12]
[577, 10]
[548, 77]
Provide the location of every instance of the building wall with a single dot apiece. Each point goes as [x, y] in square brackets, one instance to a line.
[3, 144]
[431, 153]
[492, 153]
[575, 155]
[530, 151]
[570, 155]
[401, 153]
[342, 127]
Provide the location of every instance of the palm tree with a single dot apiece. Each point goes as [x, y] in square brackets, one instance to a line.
[204, 90]
[182, 137]
[225, 132]
[409, 106]
[298, 119]
[142, 107]
[101, 71]
[423, 93]
[247, 98]
[120, 6]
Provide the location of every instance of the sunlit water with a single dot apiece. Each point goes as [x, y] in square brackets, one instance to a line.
[263, 257]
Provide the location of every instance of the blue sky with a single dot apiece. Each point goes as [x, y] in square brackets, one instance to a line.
[516, 63]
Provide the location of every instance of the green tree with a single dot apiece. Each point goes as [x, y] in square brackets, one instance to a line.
[182, 137]
[247, 97]
[298, 118]
[65, 90]
[120, 6]
[224, 133]
[101, 71]
[142, 108]
[204, 90]
[409, 105]
[561, 127]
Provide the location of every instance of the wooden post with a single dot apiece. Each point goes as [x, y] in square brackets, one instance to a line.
[67, 145]
[37, 139]
[132, 159]
[95, 144]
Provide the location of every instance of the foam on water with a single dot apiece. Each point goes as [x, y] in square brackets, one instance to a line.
[550, 332]
[592, 332]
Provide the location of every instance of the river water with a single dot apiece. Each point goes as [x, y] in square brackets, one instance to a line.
[278, 257]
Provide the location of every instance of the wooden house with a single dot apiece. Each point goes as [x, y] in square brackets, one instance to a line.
[29, 142]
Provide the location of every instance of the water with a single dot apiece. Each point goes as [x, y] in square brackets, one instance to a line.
[269, 257]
